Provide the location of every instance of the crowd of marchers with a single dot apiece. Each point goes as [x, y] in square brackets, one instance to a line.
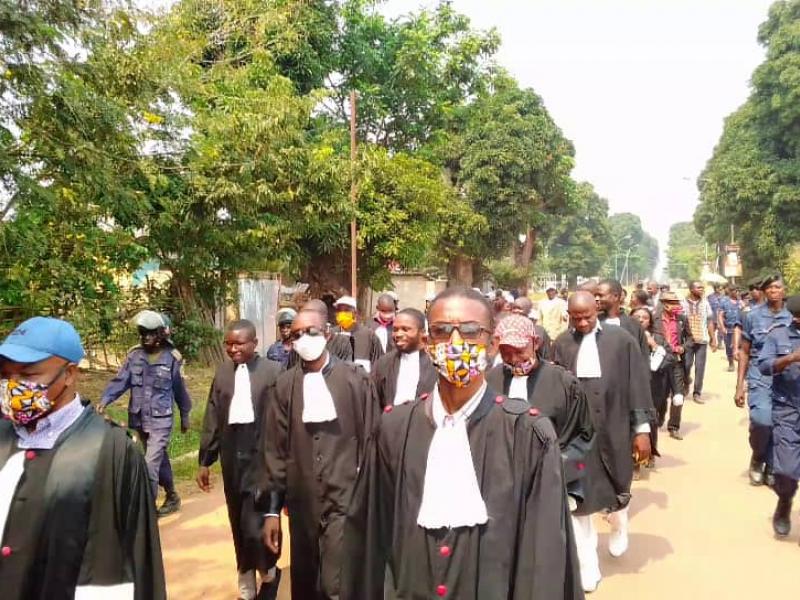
[464, 452]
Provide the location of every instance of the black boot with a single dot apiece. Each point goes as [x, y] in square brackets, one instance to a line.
[269, 591]
[769, 477]
[756, 472]
[782, 519]
[172, 504]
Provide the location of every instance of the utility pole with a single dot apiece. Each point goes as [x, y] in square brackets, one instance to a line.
[353, 198]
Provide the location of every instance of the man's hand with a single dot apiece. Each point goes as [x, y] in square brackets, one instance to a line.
[714, 345]
[100, 409]
[184, 426]
[680, 350]
[203, 479]
[738, 397]
[271, 534]
[641, 448]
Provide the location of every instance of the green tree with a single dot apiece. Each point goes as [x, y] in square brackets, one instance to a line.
[579, 243]
[685, 252]
[632, 244]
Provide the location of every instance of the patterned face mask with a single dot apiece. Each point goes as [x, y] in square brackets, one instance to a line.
[459, 363]
[23, 402]
[523, 368]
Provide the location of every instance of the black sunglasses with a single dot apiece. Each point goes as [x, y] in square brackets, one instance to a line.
[312, 331]
[469, 330]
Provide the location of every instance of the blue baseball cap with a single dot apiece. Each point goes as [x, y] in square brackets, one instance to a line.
[40, 338]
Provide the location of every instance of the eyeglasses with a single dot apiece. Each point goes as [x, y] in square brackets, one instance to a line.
[469, 330]
[312, 331]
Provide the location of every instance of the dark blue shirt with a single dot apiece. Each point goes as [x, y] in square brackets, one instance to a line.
[731, 312]
[756, 325]
[154, 386]
[782, 340]
[715, 300]
[279, 353]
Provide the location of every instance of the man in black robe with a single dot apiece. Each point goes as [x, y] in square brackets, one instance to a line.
[553, 390]
[405, 373]
[234, 413]
[609, 364]
[365, 348]
[462, 494]
[312, 445]
[382, 321]
[608, 296]
[77, 516]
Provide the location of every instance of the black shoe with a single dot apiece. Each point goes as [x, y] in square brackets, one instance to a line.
[769, 477]
[756, 473]
[172, 504]
[782, 519]
[675, 434]
[269, 591]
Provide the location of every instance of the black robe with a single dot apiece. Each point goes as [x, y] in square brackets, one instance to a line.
[374, 326]
[384, 376]
[525, 550]
[82, 514]
[312, 468]
[364, 344]
[619, 401]
[235, 446]
[633, 327]
[546, 343]
[559, 396]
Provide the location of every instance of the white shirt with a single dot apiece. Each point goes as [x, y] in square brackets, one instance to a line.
[613, 321]
[588, 362]
[241, 410]
[519, 387]
[450, 471]
[407, 377]
[382, 333]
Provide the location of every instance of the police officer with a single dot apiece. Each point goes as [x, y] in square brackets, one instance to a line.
[282, 348]
[780, 360]
[152, 372]
[756, 325]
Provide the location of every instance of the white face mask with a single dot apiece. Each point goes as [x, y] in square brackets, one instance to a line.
[309, 347]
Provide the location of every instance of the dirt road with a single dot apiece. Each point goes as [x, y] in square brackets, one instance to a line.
[698, 529]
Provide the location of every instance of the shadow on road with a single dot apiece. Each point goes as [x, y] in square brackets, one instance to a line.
[643, 550]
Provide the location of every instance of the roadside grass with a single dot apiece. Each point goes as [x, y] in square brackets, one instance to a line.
[183, 448]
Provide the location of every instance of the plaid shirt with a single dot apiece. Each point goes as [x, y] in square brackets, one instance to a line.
[698, 312]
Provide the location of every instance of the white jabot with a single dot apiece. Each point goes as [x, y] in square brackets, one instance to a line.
[407, 377]
[519, 387]
[318, 406]
[588, 362]
[241, 410]
[613, 321]
[451, 496]
[364, 364]
[10, 475]
[382, 333]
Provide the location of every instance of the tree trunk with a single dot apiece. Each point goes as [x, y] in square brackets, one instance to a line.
[192, 306]
[523, 253]
[329, 274]
[459, 270]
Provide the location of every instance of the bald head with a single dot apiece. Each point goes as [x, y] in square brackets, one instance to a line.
[582, 310]
[589, 286]
[522, 306]
[317, 306]
[385, 303]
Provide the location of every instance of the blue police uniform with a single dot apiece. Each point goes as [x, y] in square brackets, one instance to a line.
[279, 353]
[783, 340]
[155, 385]
[755, 327]
[731, 317]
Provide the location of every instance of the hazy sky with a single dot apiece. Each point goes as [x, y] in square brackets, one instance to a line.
[640, 86]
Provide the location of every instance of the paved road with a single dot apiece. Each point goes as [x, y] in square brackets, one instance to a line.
[698, 529]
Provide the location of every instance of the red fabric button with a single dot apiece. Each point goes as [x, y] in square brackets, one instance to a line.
[499, 400]
[581, 466]
[30, 455]
[6, 551]
[388, 409]
[441, 590]
[444, 550]
[424, 396]
[534, 412]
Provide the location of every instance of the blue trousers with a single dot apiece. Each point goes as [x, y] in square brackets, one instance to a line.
[156, 456]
